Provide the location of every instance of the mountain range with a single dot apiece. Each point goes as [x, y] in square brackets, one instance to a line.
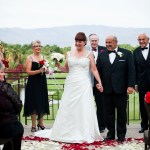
[64, 36]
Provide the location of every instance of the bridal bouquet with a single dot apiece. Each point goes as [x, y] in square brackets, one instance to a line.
[57, 57]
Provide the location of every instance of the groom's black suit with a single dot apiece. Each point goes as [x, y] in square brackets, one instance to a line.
[116, 78]
[142, 67]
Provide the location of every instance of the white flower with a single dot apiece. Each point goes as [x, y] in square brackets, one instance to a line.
[57, 57]
[46, 65]
[120, 54]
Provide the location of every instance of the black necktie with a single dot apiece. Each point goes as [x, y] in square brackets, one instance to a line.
[144, 48]
[109, 52]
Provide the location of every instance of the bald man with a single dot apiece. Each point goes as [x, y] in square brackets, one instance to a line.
[142, 66]
[116, 67]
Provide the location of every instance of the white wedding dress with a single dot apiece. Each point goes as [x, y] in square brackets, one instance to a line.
[76, 120]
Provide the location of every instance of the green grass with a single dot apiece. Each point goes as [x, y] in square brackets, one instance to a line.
[133, 112]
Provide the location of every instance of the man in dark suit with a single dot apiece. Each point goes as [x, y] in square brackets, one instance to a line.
[94, 40]
[117, 71]
[142, 66]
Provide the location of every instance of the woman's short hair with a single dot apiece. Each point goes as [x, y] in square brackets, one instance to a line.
[35, 42]
[80, 36]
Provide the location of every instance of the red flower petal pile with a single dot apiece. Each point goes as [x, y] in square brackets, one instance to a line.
[84, 146]
[96, 144]
[35, 138]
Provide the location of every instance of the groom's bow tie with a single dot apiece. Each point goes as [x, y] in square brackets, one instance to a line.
[109, 52]
[94, 49]
[144, 48]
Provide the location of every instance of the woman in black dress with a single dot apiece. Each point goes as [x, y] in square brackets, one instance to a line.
[36, 94]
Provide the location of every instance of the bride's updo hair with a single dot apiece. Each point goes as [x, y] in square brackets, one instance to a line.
[80, 36]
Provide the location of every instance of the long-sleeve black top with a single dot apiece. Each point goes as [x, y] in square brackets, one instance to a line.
[10, 104]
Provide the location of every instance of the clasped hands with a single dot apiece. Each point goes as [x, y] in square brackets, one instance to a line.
[57, 64]
[99, 87]
[130, 90]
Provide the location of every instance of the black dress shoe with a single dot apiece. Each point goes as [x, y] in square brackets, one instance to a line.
[108, 138]
[120, 140]
[142, 130]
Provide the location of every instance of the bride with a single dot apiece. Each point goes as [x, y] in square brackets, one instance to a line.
[76, 120]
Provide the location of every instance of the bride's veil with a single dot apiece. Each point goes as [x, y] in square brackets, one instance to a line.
[73, 49]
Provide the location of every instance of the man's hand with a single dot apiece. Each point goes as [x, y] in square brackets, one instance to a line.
[130, 90]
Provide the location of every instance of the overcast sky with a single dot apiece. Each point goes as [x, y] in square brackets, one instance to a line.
[52, 13]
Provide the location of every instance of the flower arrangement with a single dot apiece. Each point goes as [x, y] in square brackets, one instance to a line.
[6, 63]
[120, 54]
[44, 64]
[147, 97]
[57, 57]
[41, 62]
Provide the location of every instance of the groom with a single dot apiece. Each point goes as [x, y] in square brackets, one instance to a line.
[94, 40]
[117, 71]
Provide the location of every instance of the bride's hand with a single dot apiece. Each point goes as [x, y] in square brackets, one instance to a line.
[57, 64]
[99, 87]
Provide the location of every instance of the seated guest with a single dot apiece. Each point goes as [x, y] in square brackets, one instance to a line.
[10, 107]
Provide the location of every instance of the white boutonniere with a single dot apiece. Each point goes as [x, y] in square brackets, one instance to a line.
[120, 54]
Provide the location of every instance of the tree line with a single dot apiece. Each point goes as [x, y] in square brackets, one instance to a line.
[16, 54]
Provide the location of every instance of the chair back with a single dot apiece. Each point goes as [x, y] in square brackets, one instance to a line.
[147, 105]
[147, 132]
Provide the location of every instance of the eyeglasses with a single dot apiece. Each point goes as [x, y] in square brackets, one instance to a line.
[37, 46]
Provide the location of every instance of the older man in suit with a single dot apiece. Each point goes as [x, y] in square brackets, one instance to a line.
[142, 66]
[116, 67]
[94, 40]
